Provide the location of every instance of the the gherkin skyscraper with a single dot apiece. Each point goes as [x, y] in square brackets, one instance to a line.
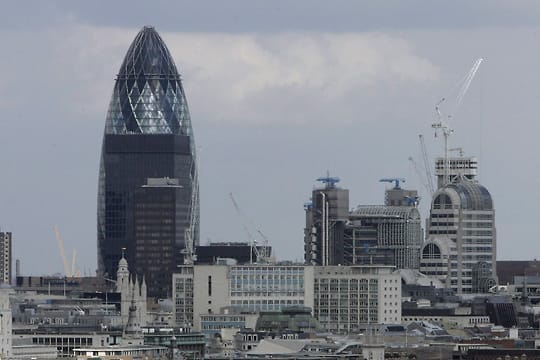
[148, 199]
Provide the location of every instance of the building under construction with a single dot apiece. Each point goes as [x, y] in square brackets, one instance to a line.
[398, 232]
[378, 234]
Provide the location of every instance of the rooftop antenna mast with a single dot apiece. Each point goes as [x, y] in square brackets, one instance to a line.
[441, 125]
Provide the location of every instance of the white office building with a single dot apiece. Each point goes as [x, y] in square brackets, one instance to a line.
[342, 297]
[461, 246]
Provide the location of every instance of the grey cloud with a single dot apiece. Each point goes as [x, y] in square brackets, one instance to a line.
[275, 16]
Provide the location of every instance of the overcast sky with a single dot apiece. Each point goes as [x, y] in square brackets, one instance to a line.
[279, 92]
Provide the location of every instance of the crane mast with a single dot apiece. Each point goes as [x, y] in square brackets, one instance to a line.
[441, 124]
[189, 251]
[70, 271]
[261, 254]
[416, 169]
[427, 165]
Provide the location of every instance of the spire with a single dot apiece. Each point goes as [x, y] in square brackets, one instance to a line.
[132, 330]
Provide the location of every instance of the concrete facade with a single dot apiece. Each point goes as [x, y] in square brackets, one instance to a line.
[341, 297]
[346, 297]
[461, 245]
[5, 323]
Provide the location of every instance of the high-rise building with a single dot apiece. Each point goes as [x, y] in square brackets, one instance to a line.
[326, 216]
[148, 135]
[461, 246]
[5, 257]
[398, 231]
[155, 222]
[370, 234]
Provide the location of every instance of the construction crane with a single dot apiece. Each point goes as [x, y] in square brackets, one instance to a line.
[396, 181]
[441, 124]
[260, 254]
[189, 250]
[329, 181]
[70, 272]
[427, 165]
[420, 176]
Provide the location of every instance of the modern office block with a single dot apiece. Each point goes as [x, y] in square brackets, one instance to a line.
[348, 297]
[367, 235]
[148, 135]
[398, 232]
[342, 298]
[326, 216]
[155, 234]
[461, 245]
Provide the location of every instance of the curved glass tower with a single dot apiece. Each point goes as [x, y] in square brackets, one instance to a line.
[148, 186]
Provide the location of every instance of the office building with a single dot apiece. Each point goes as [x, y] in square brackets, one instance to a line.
[343, 298]
[155, 222]
[148, 135]
[326, 216]
[398, 232]
[369, 234]
[461, 246]
[346, 298]
[5, 257]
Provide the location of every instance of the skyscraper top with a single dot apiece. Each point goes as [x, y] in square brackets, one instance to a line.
[148, 56]
[148, 97]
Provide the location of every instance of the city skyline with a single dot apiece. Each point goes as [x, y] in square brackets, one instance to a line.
[278, 103]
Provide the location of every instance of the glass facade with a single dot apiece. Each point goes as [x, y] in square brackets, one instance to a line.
[148, 134]
[266, 288]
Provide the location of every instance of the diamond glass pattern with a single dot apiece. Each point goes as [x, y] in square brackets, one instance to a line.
[148, 97]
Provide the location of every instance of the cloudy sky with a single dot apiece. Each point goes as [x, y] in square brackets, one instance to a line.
[280, 92]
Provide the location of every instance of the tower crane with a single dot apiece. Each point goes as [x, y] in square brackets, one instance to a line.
[419, 174]
[70, 272]
[396, 181]
[441, 124]
[329, 181]
[189, 250]
[427, 165]
[261, 254]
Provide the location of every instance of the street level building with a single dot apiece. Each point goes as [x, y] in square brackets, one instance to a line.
[148, 135]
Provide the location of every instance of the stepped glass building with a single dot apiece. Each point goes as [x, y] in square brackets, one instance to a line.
[148, 188]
